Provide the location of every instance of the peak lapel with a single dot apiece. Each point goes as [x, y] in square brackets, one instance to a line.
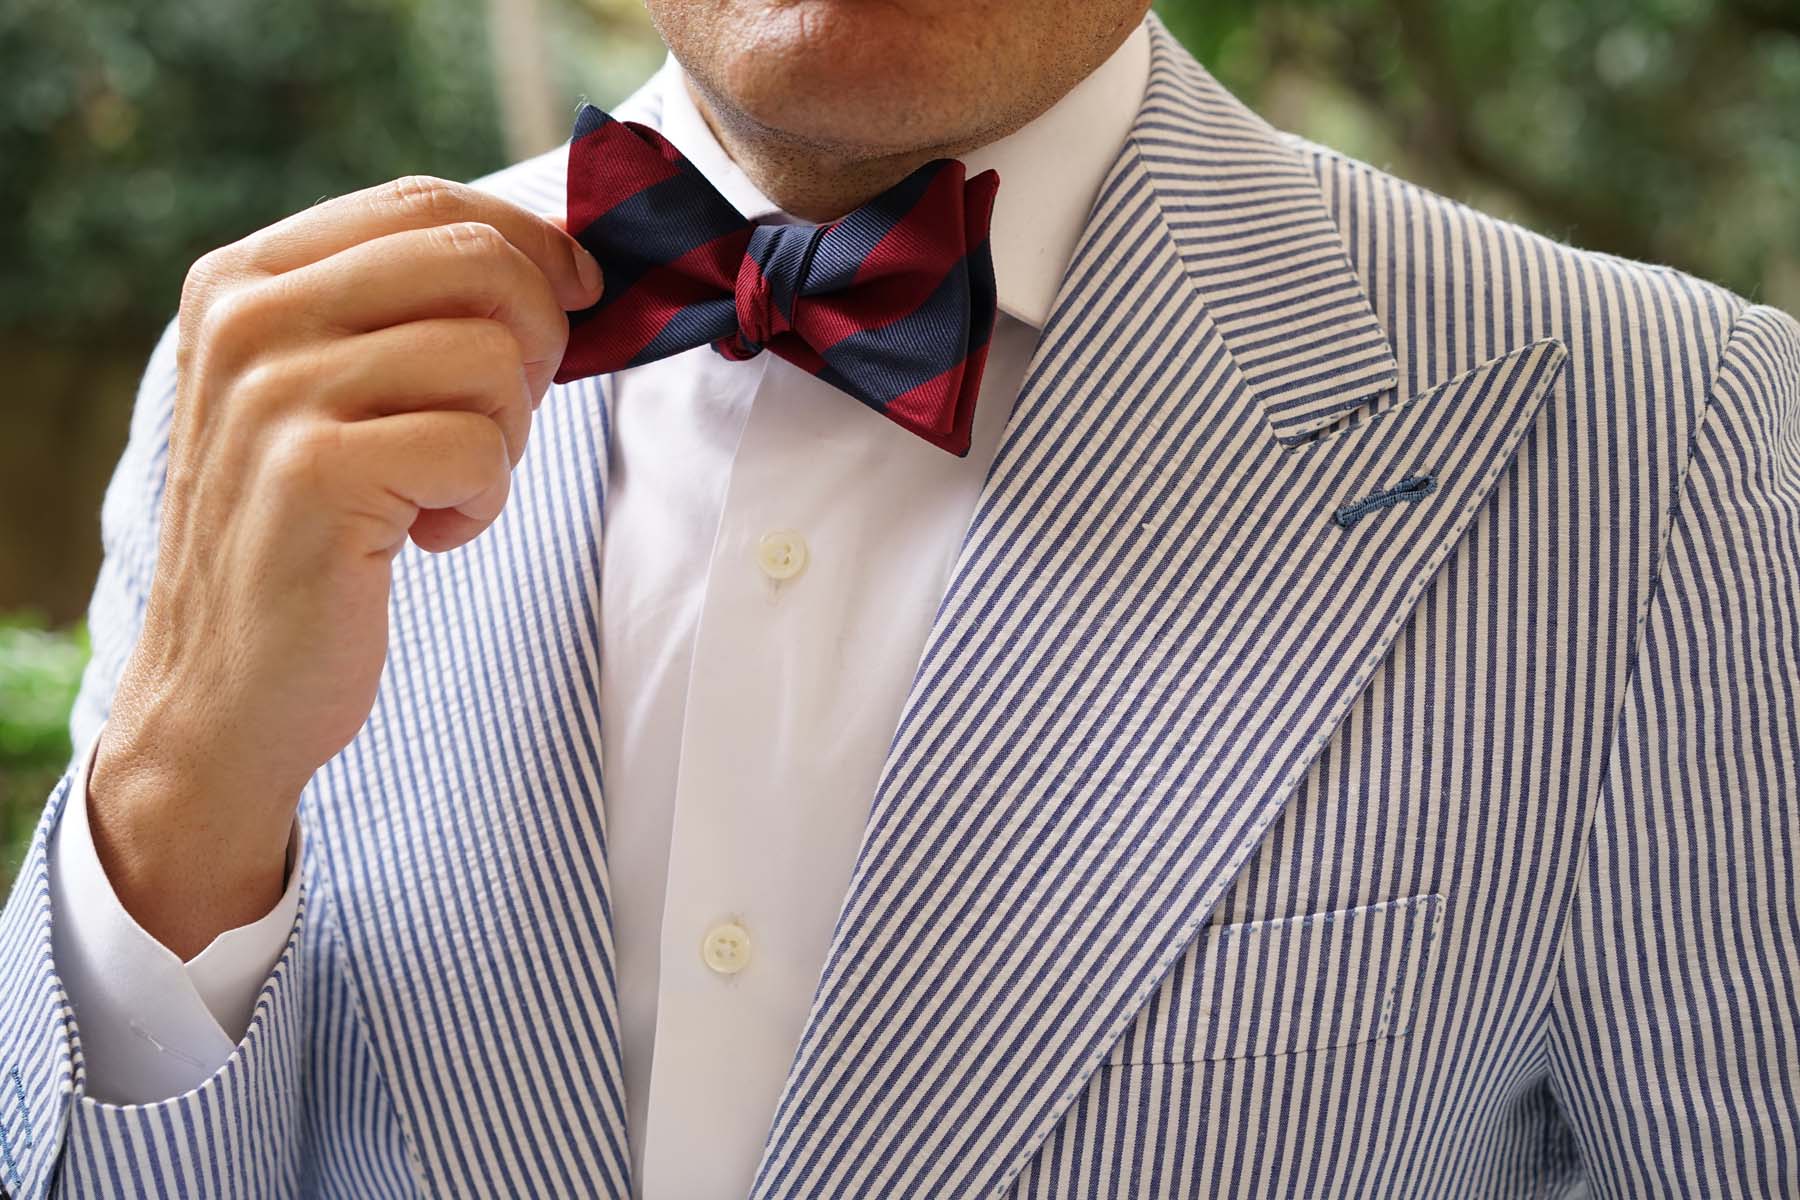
[1263, 251]
[1155, 623]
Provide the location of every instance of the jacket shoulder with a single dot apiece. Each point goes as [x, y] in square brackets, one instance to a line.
[536, 183]
[1438, 269]
[539, 182]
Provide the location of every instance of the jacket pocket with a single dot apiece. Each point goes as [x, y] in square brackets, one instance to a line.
[1293, 984]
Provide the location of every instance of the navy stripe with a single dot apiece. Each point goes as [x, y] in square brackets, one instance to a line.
[659, 225]
[784, 252]
[876, 365]
[694, 325]
[847, 243]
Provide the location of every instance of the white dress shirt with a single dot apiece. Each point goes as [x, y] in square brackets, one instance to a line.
[774, 555]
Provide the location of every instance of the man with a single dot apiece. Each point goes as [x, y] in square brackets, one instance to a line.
[1330, 730]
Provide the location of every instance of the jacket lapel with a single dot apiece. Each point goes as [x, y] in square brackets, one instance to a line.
[1177, 580]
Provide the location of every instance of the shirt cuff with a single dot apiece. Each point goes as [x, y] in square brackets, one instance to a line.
[151, 1025]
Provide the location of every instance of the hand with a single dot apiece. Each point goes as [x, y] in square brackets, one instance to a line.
[361, 373]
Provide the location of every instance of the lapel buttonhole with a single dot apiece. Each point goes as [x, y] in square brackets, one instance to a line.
[1413, 487]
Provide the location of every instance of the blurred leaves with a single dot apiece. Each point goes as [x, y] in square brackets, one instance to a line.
[40, 672]
[1664, 130]
[135, 136]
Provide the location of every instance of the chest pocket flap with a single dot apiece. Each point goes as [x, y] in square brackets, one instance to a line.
[1288, 985]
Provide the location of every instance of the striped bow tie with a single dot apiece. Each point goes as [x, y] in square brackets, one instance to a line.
[892, 303]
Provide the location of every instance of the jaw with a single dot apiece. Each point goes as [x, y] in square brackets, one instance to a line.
[848, 80]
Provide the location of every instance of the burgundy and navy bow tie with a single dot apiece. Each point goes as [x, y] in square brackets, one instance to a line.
[892, 303]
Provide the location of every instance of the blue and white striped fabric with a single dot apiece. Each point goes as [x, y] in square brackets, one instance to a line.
[1226, 846]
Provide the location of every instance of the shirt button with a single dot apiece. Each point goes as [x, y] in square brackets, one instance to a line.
[726, 948]
[781, 554]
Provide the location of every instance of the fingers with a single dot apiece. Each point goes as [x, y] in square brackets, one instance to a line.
[441, 476]
[415, 203]
[445, 271]
[387, 348]
[396, 422]
[467, 365]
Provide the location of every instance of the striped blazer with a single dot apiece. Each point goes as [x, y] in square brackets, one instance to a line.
[1357, 754]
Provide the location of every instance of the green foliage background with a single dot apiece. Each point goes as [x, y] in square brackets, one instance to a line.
[40, 671]
[1663, 130]
[134, 136]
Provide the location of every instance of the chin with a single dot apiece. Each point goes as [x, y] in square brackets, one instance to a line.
[876, 76]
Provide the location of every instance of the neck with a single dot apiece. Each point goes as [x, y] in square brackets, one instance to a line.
[813, 181]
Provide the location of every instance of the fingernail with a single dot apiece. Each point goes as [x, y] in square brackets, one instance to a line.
[587, 269]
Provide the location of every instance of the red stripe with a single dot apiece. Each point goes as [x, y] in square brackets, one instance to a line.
[633, 320]
[932, 227]
[978, 208]
[942, 410]
[796, 351]
[612, 164]
[715, 262]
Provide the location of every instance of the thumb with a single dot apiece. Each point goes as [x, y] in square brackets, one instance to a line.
[585, 266]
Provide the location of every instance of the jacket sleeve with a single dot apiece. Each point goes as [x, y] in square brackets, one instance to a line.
[1675, 1022]
[236, 1134]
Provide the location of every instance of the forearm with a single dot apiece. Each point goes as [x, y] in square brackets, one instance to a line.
[153, 1023]
[187, 858]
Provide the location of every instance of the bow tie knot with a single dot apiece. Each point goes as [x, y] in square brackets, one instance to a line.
[769, 282]
[892, 304]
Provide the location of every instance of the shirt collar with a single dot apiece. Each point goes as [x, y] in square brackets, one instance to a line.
[1050, 171]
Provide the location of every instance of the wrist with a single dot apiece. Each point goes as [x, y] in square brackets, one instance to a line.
[188, 853]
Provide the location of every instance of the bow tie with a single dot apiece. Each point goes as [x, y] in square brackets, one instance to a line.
[892, 303]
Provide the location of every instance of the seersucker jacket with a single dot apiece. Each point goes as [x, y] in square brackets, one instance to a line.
[1357, 755]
